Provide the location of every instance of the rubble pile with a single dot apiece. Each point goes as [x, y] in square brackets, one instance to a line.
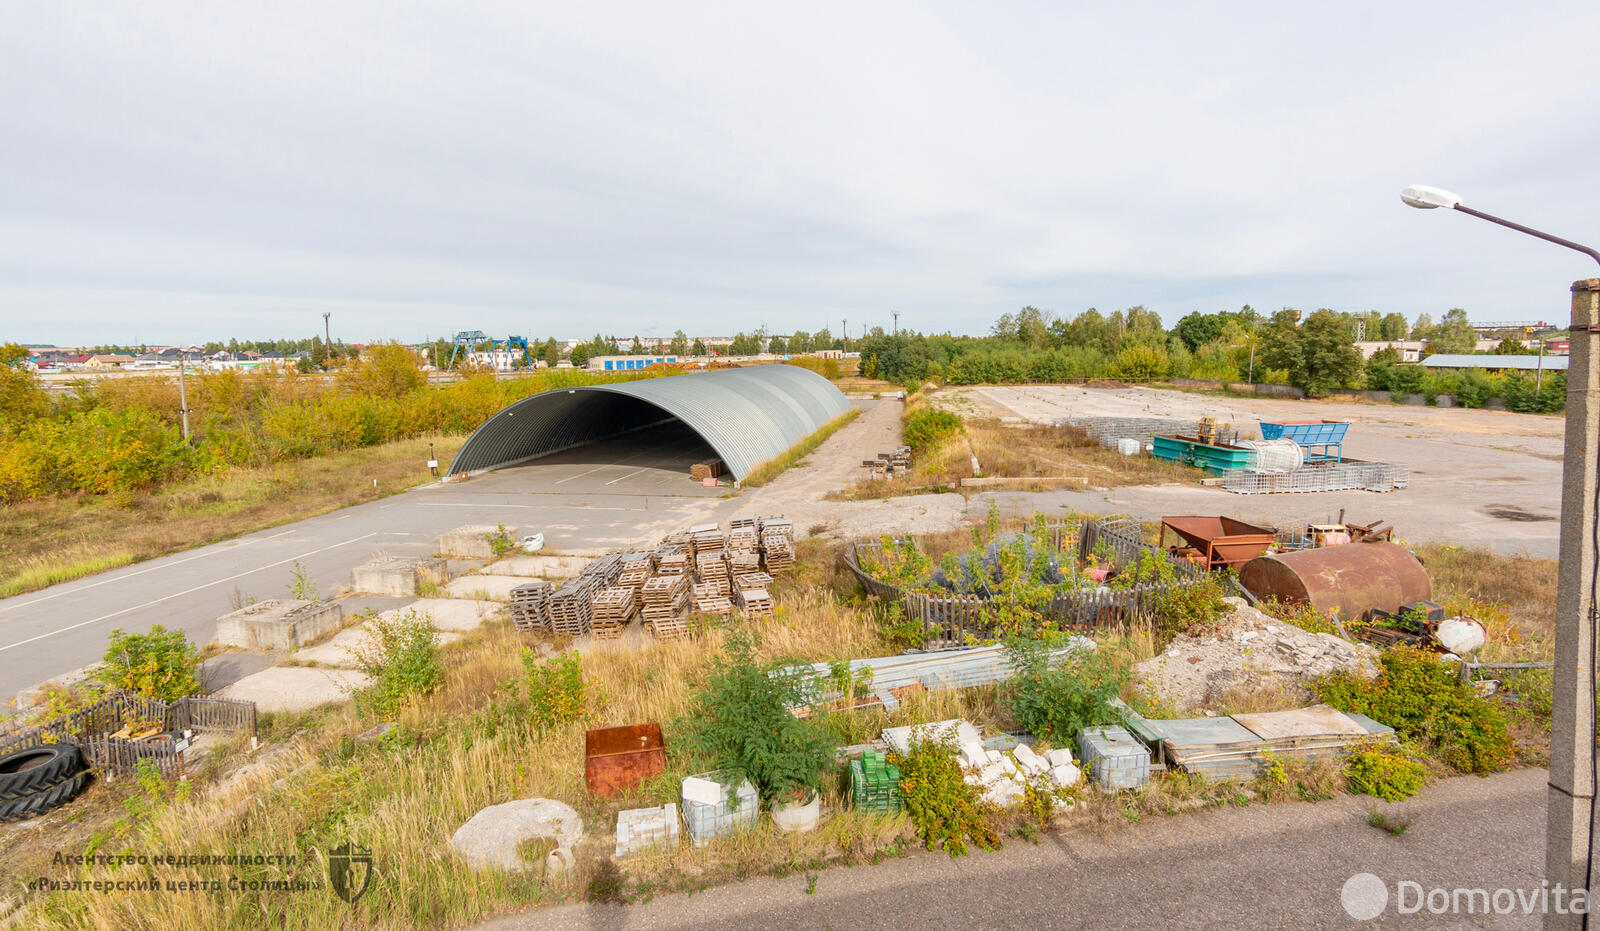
[1252, 652]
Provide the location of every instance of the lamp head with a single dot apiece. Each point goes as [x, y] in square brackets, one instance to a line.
[1427, 198]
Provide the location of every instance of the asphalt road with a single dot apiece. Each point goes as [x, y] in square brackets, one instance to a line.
[1277, 866]
[597, 497]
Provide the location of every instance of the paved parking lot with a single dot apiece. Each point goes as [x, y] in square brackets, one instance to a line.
[597, 497]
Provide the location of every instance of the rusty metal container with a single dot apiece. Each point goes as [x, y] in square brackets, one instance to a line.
[615, 759]
[1351, 579]
[1221, 541]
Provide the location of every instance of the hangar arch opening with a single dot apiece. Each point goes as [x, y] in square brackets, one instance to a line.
[742, 416]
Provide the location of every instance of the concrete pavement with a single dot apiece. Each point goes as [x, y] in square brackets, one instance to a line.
[1262, 866]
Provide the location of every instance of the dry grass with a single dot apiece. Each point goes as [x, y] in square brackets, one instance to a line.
[1514, 597]
[49, 541]
[772, 468]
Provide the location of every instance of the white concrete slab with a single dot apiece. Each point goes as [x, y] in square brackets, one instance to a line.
[457, 614]
[295, 688]
[494, 587]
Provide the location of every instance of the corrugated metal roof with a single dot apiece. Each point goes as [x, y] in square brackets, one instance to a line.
[1446, 360]
[748, 415]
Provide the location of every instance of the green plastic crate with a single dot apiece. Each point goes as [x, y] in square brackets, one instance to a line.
[874, 784]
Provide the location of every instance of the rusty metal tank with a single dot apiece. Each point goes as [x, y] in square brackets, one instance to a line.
[1352, 578]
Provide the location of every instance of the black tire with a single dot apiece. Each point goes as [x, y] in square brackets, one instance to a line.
[27, 772]
[39, 803]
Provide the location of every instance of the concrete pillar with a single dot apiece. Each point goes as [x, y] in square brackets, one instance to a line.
[1572, 731]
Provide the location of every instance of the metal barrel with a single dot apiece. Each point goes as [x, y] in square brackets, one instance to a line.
[1352, 578]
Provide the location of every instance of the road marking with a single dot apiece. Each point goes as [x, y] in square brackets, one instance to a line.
[128, 575]
[187, 591]
[628, 476]
[529, 507]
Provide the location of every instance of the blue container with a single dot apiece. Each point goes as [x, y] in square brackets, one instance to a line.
[1323, 434]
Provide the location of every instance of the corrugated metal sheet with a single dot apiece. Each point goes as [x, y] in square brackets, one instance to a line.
[747, 415]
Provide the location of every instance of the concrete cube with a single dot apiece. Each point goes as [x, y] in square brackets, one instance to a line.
[472, 541]
[1030, 762]
[397, 576]
[1065, 775]
[974, 755]
[273, 625]
[1060, 756]
[641, 828]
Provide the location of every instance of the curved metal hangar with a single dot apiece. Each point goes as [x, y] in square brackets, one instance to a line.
[747, 416]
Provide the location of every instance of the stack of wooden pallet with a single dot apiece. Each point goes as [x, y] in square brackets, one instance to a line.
[710, 598]
[529, 605]
[710, 468]
[613, 609]
[672, 564]
[705, 537]
[754, 602]
[635, 570]
[571, 607]
[746, 520]
[753, 580]
[777, 544]
[665, 597]
[710, 566]
[606, 569]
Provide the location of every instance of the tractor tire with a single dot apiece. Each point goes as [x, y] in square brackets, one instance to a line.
[40, 802]
[27, 772]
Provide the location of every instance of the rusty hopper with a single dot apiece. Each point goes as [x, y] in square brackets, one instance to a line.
[1222, 541]
[1351, 579]
[616, 759]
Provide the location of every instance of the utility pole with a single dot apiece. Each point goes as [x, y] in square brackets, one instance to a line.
[327, 332]
[183, 399]
[896, 315]
[1538, 377]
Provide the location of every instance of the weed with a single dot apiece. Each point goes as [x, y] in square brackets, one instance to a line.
[607, 885]
[1394, 827]
[1057, 702]
[401, 657]
[1384, 771]
[500, 541]
[300, 585]
[946, 811]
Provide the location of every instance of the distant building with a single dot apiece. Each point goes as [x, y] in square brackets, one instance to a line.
[1496, 363]
[628, 363]
[108, 361]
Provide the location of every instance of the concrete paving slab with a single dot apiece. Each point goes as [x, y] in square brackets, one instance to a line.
[491, 587]
[295, 688]
[456, 614]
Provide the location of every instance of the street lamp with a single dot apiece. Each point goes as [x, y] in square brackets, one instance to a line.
[1571, 829]
[1424, 197]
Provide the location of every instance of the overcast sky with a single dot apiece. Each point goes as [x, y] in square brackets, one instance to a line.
[181, 172]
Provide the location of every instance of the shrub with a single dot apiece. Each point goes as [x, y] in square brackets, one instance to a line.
[401, 657]
[742, 721]
[1190, 609]
[556, 691]
[1055, 702]
[946, 811]
[927, 426]
[1384, 771]
[1421, 698]
[1140, 363]
[161, 664]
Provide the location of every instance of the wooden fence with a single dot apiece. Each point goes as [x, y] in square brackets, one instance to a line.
[92, 725]
[951, 618]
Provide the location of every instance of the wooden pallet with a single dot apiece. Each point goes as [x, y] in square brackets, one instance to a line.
[755, 602]
[612, 610]
[530, 606]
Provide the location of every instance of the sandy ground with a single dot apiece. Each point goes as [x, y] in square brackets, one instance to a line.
[1478, 478]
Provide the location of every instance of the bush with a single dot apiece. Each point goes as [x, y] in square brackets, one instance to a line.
[1140, 363]
[1385, 772]
[1190, 609]
[1057, 702]
[161, 664]
[946, 811]
[401, 657]
[556, 691]
[1421, 698]
[927, 426]
[742, 722]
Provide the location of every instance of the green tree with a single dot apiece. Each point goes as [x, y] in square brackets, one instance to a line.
[800, 342]
[1197, 329]
[21, 396]
[744, 345]
[1328, 356]
[385, 370]
[1280, 342]
[823, 339]
[1454, 333]
[1392, 327]
[1511, 346]
[1380, 369]
[1419, 330]
[680, 344]
[1093, 330]
[698, 349]
[552, 352]
[580, 356]
[777, 346]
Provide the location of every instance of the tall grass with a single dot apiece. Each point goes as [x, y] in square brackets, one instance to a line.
[772, 468]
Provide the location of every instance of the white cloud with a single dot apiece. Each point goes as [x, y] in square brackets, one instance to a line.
[562, 168]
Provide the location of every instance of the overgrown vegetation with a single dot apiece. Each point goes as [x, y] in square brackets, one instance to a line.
[1384, 771]
[401, 657]
[1055, 702]
[742, 721]
[162, 664]
[1421, 698]
[947, 812]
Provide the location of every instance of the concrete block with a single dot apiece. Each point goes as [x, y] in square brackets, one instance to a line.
[703, 791]
[974, 755]
[29, 698]
[397, 576]
[472, 541]
[453, 614]
[279, 625]
[642, 828]
[1029, 762]
[899, 738]
[1061, 756]
[1065, 775]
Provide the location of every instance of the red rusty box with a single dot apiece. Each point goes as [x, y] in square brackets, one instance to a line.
[616, 759]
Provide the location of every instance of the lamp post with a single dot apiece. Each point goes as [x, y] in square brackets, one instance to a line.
[1571, 828]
